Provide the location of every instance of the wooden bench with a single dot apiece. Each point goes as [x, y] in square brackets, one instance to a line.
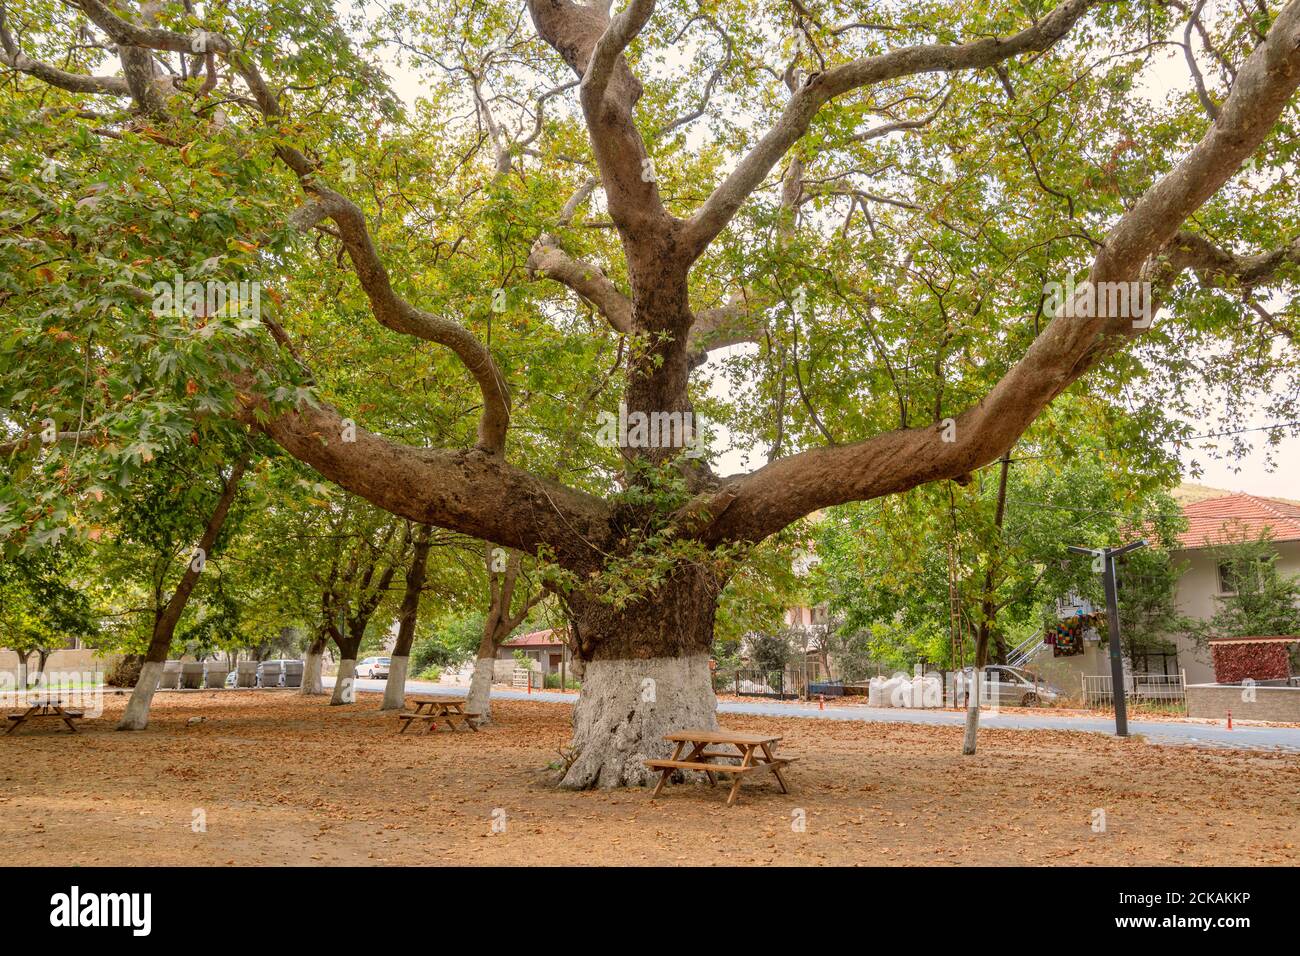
[406, 719]
[753, 752]
[449, 710]
[47, 709]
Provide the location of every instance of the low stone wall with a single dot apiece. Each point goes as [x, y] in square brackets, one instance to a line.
[85, 659]
[1269, 703]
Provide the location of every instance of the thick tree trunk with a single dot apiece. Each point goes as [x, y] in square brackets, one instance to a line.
[395, 686]
[973, 693]
[136, 716]
[311, 682]
[345, 689]
[407, 616]
[480, 685]
[646, 675]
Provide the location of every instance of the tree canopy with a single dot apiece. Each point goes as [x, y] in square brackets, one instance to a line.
[898, 231]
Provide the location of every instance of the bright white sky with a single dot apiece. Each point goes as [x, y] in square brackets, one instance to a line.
[1251, 473]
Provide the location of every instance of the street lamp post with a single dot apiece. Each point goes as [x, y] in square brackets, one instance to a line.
[1108, 556]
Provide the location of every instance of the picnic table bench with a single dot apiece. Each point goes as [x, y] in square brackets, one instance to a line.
[448, 710]
[47, 708]
[754, 751]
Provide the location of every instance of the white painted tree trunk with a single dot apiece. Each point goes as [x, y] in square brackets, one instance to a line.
[395, 689]
[311, 682]
[137, 708]
[480, 689]
[345, 684]
[624, 710]
[972, 721]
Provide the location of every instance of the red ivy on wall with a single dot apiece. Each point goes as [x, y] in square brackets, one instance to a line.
[1233, 663]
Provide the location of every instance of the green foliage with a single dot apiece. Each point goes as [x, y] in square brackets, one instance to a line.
[41, 604]
[915, 302]
[1263, 602]
[884, 566]
[453, 640]
[770, 652]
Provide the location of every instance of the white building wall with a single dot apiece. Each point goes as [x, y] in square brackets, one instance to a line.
[1197, 597]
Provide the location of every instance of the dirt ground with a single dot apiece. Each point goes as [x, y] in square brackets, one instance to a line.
[281, 779]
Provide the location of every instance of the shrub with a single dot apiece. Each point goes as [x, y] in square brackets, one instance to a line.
[428, 654]
[124, 672]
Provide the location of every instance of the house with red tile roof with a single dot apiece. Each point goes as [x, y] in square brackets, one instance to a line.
[1213, 521]
[1214, 517]
[546, 647]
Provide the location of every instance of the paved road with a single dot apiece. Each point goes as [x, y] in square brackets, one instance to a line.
[1156, 731]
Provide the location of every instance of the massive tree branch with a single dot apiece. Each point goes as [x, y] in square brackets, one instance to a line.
[592, 45]
[399, 315]
[820, 88]
[761, 503]
[548, 259]
[471, 491]
[621, 31]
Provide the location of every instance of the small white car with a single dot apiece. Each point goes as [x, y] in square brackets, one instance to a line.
[374, 668]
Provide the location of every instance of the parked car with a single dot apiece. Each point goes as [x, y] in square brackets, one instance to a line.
[1019, 688]
[374, 668]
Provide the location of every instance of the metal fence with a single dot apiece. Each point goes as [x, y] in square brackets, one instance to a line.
[1162, 689]
[753, 682]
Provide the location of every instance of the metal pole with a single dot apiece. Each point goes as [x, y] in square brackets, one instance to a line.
[1116, 661]
[1108, 556]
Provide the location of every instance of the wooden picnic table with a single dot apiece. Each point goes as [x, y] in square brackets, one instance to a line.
[448, 710]
[754, 751]
[45, 708]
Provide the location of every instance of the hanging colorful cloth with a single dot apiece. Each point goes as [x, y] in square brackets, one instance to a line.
[1066, 637]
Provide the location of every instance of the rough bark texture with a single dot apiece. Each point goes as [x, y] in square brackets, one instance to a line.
[345, 683]
[395, 686]
[312, 686]
[136, 716]
[625, 709]
[646, 674]
[480, 688]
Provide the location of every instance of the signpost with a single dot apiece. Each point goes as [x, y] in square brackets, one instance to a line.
[1107, 558]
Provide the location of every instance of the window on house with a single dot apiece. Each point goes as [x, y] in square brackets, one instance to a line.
[1229, 576]
[1227, 580]
[1155, 660]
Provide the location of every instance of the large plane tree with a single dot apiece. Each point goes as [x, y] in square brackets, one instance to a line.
[854, 212]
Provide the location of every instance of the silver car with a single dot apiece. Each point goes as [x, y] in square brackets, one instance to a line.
[1020, 688]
